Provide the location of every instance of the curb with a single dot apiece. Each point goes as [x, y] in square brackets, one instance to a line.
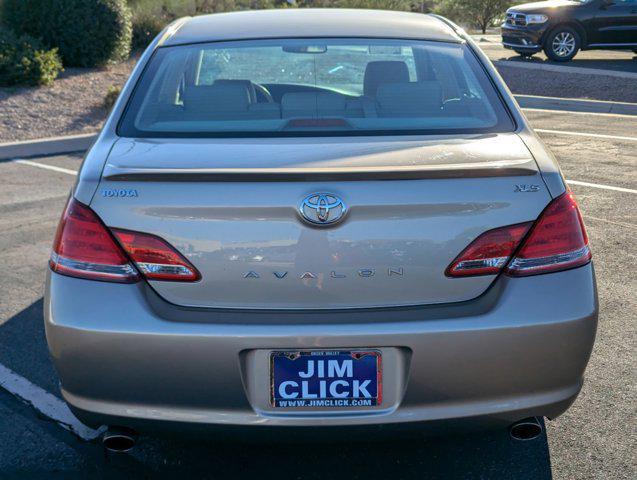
[79, 143]
[46, 146]
[576, 105]
[559, 69]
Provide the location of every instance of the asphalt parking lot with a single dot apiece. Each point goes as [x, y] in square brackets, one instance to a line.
[594, 439]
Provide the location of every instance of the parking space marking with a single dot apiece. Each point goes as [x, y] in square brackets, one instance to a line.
[46, 167]
[583, 134]
[47, 404]
[576, 112]
[604, 220]
[604, 187]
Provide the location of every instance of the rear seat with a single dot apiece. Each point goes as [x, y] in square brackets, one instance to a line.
[415, 99]
[226, 100]
[318, 105]
[232, 100]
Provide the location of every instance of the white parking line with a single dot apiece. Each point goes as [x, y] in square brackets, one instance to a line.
[604, 187]
[47, 404]
[576, 112]
[574, 182]
[46, 167]
[604, 220]
[583, 134]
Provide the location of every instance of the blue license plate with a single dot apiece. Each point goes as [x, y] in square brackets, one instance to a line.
[326, 378]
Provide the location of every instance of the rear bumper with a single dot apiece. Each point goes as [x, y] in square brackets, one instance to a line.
[124, 356]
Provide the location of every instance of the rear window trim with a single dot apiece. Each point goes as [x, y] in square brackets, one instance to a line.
[323, 133]
[496, 88]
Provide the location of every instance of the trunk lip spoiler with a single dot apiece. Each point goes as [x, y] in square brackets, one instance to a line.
[501, 168]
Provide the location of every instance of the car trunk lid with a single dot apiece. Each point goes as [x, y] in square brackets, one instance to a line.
[232, 207]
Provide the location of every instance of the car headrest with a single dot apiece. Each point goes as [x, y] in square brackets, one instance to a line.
[247, 84]
[217, 98]
[382, 72]
[409, 99]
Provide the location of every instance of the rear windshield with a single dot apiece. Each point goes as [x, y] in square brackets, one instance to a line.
[319, 87]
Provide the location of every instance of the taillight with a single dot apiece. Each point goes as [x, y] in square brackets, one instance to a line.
[84, 248]
[156, 258]
[557, 241]
[488, 253]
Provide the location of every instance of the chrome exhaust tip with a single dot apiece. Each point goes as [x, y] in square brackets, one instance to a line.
[119, 439]
[527, 429]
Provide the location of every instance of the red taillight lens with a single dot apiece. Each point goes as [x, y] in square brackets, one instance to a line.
[156, 258]
[488, 253]
[557, 241]
[84, 247]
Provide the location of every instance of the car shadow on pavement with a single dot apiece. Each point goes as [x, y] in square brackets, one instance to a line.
[477, 454]
[618, 65]
[23, 347]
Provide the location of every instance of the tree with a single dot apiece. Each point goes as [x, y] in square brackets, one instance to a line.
[377, 4]
[481, 13]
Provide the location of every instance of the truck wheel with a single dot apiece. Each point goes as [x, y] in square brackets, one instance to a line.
[562, 44]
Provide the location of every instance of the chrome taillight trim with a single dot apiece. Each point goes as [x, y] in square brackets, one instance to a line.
[65, 265]
[164, 269]
[527, 266]
[468, 265]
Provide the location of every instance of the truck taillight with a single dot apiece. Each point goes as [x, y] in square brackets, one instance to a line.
[556, 241]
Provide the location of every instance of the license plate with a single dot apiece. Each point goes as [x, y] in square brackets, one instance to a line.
[322, 378]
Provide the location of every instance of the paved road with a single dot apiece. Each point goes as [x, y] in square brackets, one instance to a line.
[594, 439]
[618, 60]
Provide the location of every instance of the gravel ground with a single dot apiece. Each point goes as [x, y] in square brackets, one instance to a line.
[72, 105]
[569, 85]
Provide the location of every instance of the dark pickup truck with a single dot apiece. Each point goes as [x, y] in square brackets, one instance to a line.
[563, 27]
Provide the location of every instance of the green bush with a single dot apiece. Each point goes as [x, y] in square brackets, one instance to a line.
[111, 96]
[87, 33]
[23, 61]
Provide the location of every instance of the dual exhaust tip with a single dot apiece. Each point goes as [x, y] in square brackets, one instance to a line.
[122, 439]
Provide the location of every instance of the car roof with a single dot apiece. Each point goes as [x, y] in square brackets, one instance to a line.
[311, 22]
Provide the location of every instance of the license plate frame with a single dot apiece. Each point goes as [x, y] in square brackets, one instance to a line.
[366, 364]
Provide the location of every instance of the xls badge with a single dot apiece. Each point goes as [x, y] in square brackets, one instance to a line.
[526, 188]
[322, 209]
